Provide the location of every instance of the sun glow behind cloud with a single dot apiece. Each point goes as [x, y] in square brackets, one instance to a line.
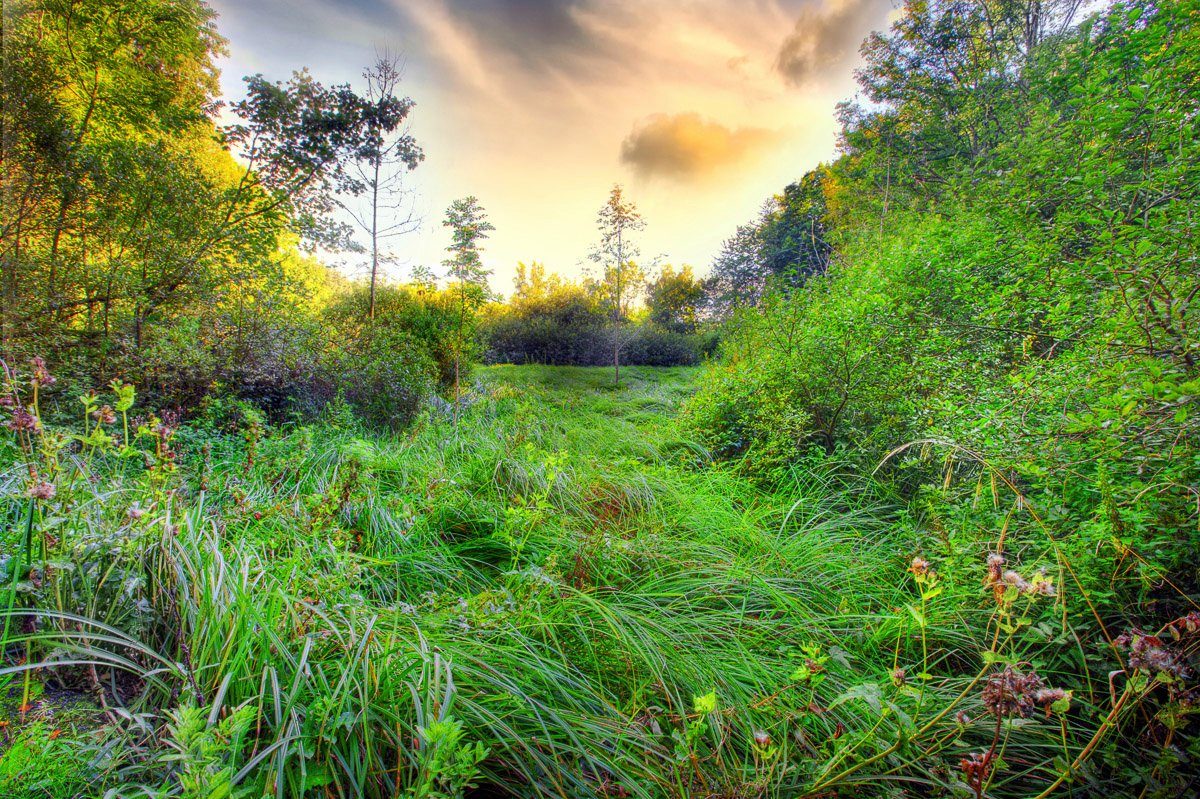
[702, 109]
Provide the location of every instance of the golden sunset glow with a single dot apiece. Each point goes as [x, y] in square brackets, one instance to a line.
[702, 110]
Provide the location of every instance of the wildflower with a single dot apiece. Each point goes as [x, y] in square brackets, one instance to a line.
[1185, 624]
[1148, 652]
[762, 739]
[1011, 693]
[919, 566]
[1042, 585]
[41, 375]
[1018, 582]
[7, 402]
[899, 676]
[105, 414]
[995, 566]
[962, 718]
[134, 513]
[1048, 696]
[23, 420]
[975, 768]
[42, 490]
[1054, 700]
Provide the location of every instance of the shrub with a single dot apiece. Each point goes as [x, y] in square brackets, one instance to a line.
[650, 345]
[553, 321]
[387, 366]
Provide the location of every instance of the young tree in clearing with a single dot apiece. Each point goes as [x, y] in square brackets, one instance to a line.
[388, 154]
[617, 220]
[469, 226]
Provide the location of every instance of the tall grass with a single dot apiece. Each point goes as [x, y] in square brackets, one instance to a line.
[559, 596]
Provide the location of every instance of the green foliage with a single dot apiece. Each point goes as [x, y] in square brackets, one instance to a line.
[673, 300]
[37, 763]
[202, 753]
[1045, 290]
[529, 606]
[550, 320]
[448, 766]
[387, 366]
[756, 415]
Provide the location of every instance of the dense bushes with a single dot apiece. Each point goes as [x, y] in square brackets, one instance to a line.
[550, 320]
[293, 360]
[1028, 335]
[558, 324]
[512, 339]
[387, 366]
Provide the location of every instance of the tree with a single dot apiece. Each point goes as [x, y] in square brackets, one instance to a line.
[469, 226]
[123, 202]
[388, 154]
[99, 120]
[622, 279]
[674, 299]
[793, 232]
[785, 246]
[736, 276]
[300, 141]
[945, 85]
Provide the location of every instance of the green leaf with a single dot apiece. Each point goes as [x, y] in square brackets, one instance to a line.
[705, 704]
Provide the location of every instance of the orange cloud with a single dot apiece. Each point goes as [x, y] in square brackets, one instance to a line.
[684, 146]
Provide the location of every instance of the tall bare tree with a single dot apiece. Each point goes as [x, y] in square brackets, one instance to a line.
[383, 210]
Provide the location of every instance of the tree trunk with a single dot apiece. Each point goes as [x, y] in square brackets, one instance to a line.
[617, 355]
[374, 240]
[617, 312]
[456, 389]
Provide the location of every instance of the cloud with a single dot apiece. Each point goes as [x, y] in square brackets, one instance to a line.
[826, 35]
[686, 146]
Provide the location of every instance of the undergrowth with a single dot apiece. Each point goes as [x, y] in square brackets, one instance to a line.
[560, 596]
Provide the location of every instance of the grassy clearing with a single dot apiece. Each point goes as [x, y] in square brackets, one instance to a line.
[562, 597]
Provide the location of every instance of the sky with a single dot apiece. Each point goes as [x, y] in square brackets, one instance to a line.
[701, 109]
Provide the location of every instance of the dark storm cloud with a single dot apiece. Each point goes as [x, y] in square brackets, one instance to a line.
[684, 146]
[537, 33]
[553, 23]
[826, 35]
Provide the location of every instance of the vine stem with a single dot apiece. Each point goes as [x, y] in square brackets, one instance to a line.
[823, 784]
[1109, 721]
